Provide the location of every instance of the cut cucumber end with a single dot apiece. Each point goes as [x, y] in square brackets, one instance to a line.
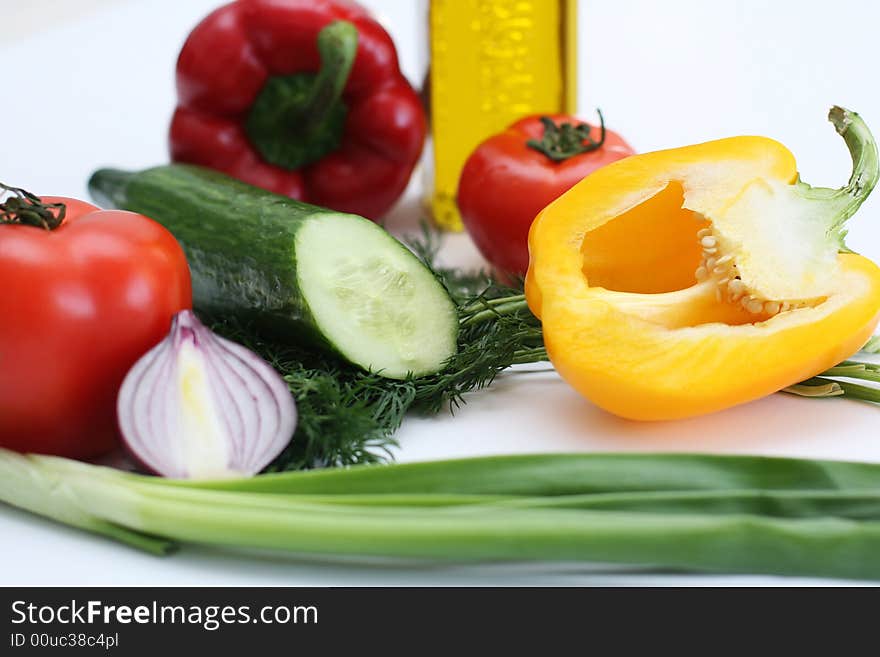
[375, 302]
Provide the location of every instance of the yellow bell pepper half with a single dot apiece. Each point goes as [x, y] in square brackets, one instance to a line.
[686, 281]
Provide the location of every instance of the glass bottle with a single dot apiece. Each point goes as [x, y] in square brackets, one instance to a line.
[491, 63]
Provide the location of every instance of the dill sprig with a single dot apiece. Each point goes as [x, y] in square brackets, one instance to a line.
[345, 416]
[348, 416]
[463, 285]
[493, 337]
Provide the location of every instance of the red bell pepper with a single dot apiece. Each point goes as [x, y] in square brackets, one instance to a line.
[301, 97]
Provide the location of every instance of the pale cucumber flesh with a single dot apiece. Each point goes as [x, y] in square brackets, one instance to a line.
[374, 301]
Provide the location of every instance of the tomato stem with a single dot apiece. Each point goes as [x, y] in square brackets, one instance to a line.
[28, 209]
[566, 140]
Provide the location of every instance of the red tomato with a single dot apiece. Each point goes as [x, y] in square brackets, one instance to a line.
[79, 305]
[505, 183]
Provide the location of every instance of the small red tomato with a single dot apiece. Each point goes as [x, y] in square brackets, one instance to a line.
[514, 175]
[81, 302]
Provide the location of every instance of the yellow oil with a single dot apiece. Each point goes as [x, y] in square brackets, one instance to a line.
[492, 62]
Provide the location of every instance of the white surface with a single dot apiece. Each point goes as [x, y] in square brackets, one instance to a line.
[98, 90]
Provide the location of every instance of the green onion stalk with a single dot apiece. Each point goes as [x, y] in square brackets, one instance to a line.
[684, 511]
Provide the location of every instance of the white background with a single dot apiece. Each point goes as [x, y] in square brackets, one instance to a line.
[88, 83]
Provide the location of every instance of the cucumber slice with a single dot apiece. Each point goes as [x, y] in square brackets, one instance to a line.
[373, 300]
[296, 271]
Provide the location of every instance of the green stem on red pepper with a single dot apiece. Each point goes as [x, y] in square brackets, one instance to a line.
[298, 119]
[28, 209]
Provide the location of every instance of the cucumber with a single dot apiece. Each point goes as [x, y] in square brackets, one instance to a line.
[302, 273]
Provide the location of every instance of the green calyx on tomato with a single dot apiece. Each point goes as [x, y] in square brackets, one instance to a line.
[86, 293]
[515, 174]
[27, 209]
[298, 119]
[565, 140]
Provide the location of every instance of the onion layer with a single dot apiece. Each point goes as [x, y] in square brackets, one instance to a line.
[198, 406]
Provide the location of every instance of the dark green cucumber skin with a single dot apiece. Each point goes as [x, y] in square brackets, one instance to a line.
[238, 239]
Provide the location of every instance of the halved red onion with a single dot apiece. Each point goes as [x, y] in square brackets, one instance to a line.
[198, 406]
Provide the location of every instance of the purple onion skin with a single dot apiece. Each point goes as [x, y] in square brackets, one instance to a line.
[200, 406]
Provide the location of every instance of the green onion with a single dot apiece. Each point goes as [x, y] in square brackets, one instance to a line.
[686, 511]
[566, 474]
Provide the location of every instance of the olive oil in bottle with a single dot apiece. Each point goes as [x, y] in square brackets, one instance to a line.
[492, 62]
